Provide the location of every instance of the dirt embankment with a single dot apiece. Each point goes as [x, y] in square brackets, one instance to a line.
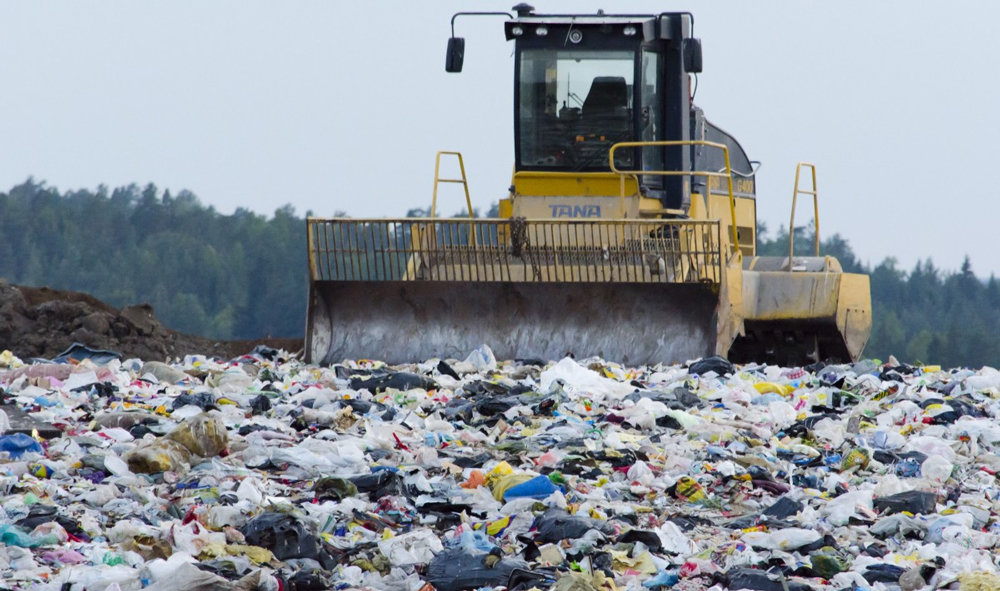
[43, 322]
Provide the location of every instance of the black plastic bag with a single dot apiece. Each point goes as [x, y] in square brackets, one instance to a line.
[758, 580]
[334, 488]
[396, 381]
[783, 508]
[446, 370]
[457, 570]
[719, 365]
[883, 573]
[40, 514]
[203, 400]
[914, 501]
[556, 525]
[260, 404]
[380, 484]
[283, 535]
[650, 539]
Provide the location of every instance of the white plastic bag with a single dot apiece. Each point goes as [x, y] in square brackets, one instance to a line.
[416, 547]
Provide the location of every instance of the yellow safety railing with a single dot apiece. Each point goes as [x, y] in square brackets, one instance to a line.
[516, 250]
[636, 173]
[437, 180]
[791, 222]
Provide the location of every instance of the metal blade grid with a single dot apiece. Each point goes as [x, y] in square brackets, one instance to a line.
[416, 249]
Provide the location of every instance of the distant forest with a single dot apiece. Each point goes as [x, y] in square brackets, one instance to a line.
[244, 276]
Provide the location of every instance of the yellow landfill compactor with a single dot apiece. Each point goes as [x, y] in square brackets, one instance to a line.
[629, 231]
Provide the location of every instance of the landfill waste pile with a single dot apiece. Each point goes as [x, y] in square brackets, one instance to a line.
[46, 323]
[264, 473]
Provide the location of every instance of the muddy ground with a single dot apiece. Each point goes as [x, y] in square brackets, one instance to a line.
[43, 322]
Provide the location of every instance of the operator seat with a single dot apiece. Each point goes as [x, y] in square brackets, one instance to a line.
[608, 96]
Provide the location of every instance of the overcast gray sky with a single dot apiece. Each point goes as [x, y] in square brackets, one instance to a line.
[341, 106]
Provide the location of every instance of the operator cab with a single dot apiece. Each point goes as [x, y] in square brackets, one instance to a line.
[583, 83]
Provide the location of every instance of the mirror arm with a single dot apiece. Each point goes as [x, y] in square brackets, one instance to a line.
[458, 14]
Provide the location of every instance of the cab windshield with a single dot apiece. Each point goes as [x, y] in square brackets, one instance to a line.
[573, 106]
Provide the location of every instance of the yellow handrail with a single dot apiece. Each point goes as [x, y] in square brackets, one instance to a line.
[463, 181]
[791, 222]
[728, 174]
[438, 179]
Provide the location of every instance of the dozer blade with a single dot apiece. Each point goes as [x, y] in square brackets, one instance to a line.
[407, 321]
[633, 291]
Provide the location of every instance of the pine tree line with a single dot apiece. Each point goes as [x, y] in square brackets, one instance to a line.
[243, 276]
[223, 276]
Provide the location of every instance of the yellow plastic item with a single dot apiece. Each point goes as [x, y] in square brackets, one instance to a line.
[771, 387]
[494, 528]
[857, 458]
[643, 564]
[256, 554]
[688, 488]
[978, 581]
[500, 470]
[7, 359]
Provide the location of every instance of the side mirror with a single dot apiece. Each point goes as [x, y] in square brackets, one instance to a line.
[456, 54]
[692, 55]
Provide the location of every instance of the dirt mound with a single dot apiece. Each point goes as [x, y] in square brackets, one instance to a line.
[43, 322]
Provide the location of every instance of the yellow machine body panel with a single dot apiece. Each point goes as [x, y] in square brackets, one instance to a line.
[588, 184]
[716, 207]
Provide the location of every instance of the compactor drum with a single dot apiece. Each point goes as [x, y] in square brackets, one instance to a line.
[629, 231]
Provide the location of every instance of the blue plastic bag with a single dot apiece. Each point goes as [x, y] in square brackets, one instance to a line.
[17, 444]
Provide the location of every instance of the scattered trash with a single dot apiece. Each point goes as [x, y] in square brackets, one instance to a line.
[263, 473]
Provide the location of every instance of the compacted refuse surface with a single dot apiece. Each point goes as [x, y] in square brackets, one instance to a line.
[263, 472]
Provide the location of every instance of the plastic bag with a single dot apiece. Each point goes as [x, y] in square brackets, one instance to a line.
[396, 381]
[556, 525]
[482, 359]
[789, 539]
[416, 547]
[18, 444]
[758, 580]
[783, 508]
[334, 488]
[458, 570]
[188, 577]
[937, 468]
[539, 487]
[162, 455]
[719, 365]
[580, 379]
[896, 524]
[203, 435]
[11, 535]
[914, 501]
[283, 535]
